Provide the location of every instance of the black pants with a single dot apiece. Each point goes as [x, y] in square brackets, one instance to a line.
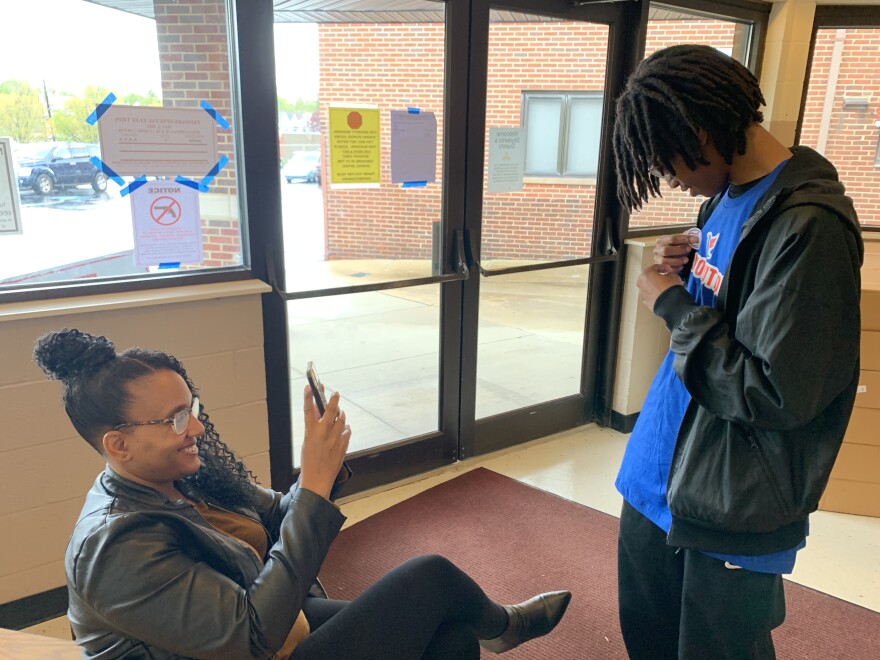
[425, 608]
[682, 604]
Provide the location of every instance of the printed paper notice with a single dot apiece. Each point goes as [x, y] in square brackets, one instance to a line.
[354, 146]
[167, 225]
[413, 147]
[10, 211]
[158, 141]
[506, 160]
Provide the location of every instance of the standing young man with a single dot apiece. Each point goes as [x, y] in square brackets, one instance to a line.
[744, 419]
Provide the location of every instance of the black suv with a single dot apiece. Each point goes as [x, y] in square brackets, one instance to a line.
[45, 166]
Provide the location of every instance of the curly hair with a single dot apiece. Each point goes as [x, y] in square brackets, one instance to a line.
[671, 97]
[96, 397]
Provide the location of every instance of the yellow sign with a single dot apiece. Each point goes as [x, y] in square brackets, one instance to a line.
[354, 146]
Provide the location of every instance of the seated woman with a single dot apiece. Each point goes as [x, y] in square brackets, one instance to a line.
[179, 554]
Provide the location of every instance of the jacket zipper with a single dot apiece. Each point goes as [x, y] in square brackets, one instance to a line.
[768, 473]
[746, 230]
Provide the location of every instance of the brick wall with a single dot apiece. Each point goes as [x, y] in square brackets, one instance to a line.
[396, 66]
[852, 137]
[194, 61]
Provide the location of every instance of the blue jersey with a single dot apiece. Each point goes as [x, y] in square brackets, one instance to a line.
[645, 469]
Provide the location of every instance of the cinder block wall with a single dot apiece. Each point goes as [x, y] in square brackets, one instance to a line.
[643, 340]
[46, 468]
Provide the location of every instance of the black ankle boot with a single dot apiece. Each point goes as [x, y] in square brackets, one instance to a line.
[532, 618]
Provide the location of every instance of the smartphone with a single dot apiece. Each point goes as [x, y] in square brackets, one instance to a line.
[321, 401]
[317, 388]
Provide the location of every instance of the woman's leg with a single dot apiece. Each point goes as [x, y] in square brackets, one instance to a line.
[453, 639]
[400, 616]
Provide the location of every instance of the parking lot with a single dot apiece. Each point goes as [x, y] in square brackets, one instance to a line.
[78, 224]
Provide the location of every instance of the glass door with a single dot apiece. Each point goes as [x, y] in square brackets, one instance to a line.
[396, 256]
[372, 243]
[540, 237]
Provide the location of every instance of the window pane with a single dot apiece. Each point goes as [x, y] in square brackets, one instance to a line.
[340, 234]
[553, 215]
[584, 131]
[841, 119]
[542, 140]
[668, 26]
[380, 350]
[78, 220]
[531, 338]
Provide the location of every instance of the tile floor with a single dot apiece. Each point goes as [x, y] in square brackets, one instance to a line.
[842, 557]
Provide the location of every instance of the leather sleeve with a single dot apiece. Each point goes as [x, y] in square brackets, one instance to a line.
[272, 507]
[136, 575]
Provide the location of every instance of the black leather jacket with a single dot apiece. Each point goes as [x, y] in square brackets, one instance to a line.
[150, 578]
[772, 369]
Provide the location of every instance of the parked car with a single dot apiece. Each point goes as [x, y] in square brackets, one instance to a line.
[303, 166]
[46, 166]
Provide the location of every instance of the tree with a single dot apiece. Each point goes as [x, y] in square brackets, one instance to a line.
[301, 105]
[70, 121]
[136, 99]
[22, 115]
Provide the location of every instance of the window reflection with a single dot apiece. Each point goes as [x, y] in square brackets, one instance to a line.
[78, 216]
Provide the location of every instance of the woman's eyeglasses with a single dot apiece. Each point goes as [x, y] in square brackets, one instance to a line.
[179, 422]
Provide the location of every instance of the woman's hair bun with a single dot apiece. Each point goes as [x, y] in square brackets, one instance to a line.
[65, 354]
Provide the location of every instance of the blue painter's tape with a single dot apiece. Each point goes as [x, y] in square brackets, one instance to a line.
[134, 185]
[414, 184]
[105, 168]
[103, 107]
[219, 165]
[169, 265]
[207, 107]
[195, 185]
[413, 111]
[209, 177]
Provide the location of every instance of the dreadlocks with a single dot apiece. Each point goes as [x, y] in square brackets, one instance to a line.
[670, 97]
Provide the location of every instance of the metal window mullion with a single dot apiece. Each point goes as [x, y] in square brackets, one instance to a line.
[562, 158]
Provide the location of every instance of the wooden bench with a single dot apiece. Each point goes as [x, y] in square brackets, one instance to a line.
[16, 645]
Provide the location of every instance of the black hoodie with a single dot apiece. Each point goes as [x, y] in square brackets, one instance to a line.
[772, 369]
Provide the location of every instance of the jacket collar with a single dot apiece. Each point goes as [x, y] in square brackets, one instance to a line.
[118, 486]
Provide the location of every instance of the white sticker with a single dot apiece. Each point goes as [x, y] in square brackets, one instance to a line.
[862, 389]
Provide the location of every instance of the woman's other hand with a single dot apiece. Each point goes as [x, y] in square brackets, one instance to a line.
[324, 445]
[672, 252]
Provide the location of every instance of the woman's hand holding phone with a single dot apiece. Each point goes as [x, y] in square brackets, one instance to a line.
[324, 445]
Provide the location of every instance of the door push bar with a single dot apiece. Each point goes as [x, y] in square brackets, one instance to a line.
[462, 272]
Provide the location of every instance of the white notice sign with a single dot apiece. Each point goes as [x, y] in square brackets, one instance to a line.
[167, 225]
[158, 141]
[506, 160]
[10, 212]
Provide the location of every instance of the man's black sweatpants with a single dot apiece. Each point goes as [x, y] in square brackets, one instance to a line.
[676, 603]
